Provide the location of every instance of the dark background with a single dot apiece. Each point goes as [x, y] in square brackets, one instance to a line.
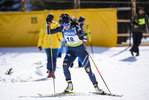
[37, 5]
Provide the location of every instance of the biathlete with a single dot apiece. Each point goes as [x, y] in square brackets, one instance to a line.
[73, 36]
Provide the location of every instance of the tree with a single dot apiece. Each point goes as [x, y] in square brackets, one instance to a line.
[10, 5]
[51, 4]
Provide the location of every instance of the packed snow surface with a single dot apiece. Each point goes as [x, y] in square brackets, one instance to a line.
[122, 73]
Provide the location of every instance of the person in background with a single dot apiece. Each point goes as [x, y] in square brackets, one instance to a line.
[139, 23]
[44, 42]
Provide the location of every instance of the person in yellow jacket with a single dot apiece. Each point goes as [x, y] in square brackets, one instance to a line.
[44, 42]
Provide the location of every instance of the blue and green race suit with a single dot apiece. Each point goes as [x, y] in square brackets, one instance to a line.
[75, 49]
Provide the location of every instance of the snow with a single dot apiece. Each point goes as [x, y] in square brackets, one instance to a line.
[122, 73]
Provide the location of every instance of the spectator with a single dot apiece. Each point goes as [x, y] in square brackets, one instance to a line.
[139, 26]
[44, 42]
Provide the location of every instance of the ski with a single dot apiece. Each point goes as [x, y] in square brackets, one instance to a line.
[107, 94]
[61, 93]
[79, 93]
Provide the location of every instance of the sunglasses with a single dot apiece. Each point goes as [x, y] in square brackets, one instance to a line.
[66, 24]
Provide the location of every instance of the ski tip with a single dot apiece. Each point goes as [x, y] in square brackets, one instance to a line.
[107, 94]
[39, 94]
[115, 95]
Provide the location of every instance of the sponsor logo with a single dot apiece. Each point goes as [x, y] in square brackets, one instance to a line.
[64, 63]
[34, 20]
[69, 55]
[33, 32]
[69, 33]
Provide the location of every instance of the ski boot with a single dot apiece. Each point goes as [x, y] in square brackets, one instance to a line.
[69, 87]
[137, 53]
[100, 91]
[51, 74]
[131, 52]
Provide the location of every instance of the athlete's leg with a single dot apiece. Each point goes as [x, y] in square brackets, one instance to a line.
[85, 61]
[69, 58]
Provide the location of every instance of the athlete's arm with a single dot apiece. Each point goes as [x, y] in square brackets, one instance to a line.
[58, 29]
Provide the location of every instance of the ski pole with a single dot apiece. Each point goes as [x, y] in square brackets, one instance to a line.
[51, 54]
[96, 68]
[88, 33]
[75, 6]
[146, 28]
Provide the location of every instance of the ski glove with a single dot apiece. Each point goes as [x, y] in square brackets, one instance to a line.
[40, 48]
[81, 37]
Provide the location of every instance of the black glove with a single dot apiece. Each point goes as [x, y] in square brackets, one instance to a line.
[49, 18]
[40, 48]
[81, 37]
[86, 33]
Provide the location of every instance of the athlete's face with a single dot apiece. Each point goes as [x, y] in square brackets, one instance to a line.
[141, 12]
[67, 26]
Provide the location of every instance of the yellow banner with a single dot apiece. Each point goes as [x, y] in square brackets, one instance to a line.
[19, 29]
